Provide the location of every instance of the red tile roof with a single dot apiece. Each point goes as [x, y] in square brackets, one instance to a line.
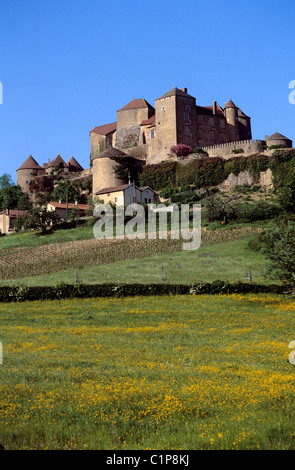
[218, 109]
[230, 104]
[64, 205]
[57, 160]
[105, 129]
[136, 104]
[30, 164]
[73, 163]
[149, 122]
[113, 189]
[14, 213]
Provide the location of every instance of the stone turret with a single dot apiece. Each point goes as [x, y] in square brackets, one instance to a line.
[104, 169]
[231, 115]
[27, 172]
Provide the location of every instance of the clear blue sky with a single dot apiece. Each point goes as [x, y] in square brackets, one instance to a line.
[67, 66]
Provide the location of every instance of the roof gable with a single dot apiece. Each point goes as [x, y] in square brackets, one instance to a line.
[57, 161]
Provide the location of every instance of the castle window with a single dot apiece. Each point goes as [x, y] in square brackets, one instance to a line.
[153, 133]
[163, 108]
[211, 136]
[211, 121]
[187, 108]
[186, 131]
[200, 119]
[186, 117]
[200, 134]
[222, 124]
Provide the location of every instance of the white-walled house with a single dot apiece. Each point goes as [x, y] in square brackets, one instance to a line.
[126, 194]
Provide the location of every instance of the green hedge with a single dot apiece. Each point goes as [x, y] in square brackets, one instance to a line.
[204, 171]
[65, 291]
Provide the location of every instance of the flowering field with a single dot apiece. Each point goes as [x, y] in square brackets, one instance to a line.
[183, 372]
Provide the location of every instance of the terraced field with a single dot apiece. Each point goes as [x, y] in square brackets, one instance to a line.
[17, 263]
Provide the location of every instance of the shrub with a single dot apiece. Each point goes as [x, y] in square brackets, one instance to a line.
[181, 150]
[260, 210]
[63, 291]
[237, 151]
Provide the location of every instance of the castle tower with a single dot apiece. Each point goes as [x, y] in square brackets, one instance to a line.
[104, 170]
[129, 118]
[27, 172]
[231, 115]
[175, 122]
[244, 126]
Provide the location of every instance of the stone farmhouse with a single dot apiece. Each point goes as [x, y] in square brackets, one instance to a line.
[127, 194]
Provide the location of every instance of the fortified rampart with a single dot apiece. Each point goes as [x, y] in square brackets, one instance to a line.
[228, 150]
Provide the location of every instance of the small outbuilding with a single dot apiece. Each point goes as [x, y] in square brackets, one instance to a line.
[278, 139]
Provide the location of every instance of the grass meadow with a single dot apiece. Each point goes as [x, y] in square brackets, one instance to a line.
[177, 372]
[228, 261]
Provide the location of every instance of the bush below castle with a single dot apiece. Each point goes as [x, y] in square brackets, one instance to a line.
[206, 172]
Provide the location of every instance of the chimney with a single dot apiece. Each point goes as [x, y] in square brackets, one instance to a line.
[48, 161]
[214, 107]
[184, 89]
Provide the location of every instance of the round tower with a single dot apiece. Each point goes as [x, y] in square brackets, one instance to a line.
[231, 115]
[104, 175]
[27, 172]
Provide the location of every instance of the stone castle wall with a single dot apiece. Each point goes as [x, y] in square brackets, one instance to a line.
[226, 150]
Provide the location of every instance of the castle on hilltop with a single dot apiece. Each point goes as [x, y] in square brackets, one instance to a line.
[148, 132]
[144, 134]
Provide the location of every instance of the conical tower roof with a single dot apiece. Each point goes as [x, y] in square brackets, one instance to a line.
[111, 152]
[73, 163]
[30, 164]
[277, 136]
[230, 104]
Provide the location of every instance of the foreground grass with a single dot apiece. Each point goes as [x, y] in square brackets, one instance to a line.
[228, 261]
[160, 373]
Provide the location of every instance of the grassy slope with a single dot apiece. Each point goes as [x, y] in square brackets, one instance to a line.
[227, 261]
[33, 239]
